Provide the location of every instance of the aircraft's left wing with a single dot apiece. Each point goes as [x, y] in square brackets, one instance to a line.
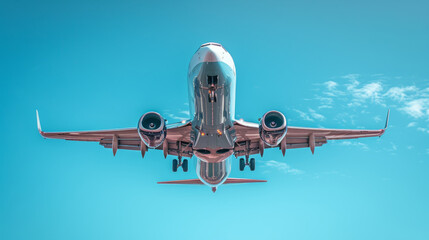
[249, 141]
[177, 139]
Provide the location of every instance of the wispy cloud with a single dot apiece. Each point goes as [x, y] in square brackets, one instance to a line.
[175, 117]
[178, 115]
[331, 85]
[284, 167]
[412, 124]
[400, 93]
[316, 115]
[363, 146]
[331, 88]
[377, 119]
[358, 91]
[303, 115]
[421, 129]
[417, 108]
[311, 115]
[326, 102]
[370, 91]
[185, 112]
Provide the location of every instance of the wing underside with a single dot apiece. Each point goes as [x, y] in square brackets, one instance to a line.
[249, 141]
[177, 139]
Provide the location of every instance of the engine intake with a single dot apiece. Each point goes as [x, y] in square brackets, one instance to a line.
[273, 128]
[152, 129]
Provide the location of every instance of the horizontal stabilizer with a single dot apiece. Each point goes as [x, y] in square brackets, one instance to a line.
[187, 181]
[198, 181]
[242, 180]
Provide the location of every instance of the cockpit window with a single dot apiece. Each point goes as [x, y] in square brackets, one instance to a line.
[211, 43]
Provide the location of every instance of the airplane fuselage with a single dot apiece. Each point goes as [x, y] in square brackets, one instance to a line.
[211, 87]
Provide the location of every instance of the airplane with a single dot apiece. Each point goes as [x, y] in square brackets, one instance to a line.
[213, 135]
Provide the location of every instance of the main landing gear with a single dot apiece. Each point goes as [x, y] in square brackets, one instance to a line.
[250, 163]
[179, 163]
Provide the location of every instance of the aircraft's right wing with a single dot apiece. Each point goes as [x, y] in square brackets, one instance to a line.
[249, 141]
[177, 139]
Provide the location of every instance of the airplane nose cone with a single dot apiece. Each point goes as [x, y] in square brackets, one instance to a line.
[212, 55]
[211, 52]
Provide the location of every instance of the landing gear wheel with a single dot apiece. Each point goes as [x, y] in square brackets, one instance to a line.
[175, 164]
[252, 164]
[185, 165]
[242, 164]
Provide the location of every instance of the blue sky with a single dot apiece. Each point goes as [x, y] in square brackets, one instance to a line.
[89, 65]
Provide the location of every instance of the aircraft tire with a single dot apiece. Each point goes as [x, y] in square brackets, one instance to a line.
[252, 164]
[175, 164]
[242, 164]
[185, 165]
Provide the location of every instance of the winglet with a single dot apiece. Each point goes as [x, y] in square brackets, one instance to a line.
[39, 127]
[386, 124]
[387, 119]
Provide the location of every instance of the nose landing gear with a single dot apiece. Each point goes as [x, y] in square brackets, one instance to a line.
[179, 163]
[244, 163]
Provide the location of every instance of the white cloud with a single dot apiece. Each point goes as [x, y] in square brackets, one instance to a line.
[304, 115]
[377, 119]
[412, 124]
[411, 100]
[331, 85]
[360, 93]
[311, 115]
[177, 116]
[400, 93]
[316, 115]
[324, 106]
[417, 108]
[284, 167]
[363, 146]
[425, 130]
[332, 90]
[369, 91]
[326, 102]
[185, 112]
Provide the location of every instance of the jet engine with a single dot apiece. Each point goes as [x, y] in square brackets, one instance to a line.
[152, 129]
[272, 128]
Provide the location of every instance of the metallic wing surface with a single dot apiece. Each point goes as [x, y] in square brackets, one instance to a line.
[128, 138]
[249, 141]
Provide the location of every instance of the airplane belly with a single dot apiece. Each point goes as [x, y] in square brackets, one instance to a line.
[213, 174]
[212, 103]
[211, 81]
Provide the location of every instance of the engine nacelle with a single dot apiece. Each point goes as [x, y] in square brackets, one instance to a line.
[272, 128]
[152, 129]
